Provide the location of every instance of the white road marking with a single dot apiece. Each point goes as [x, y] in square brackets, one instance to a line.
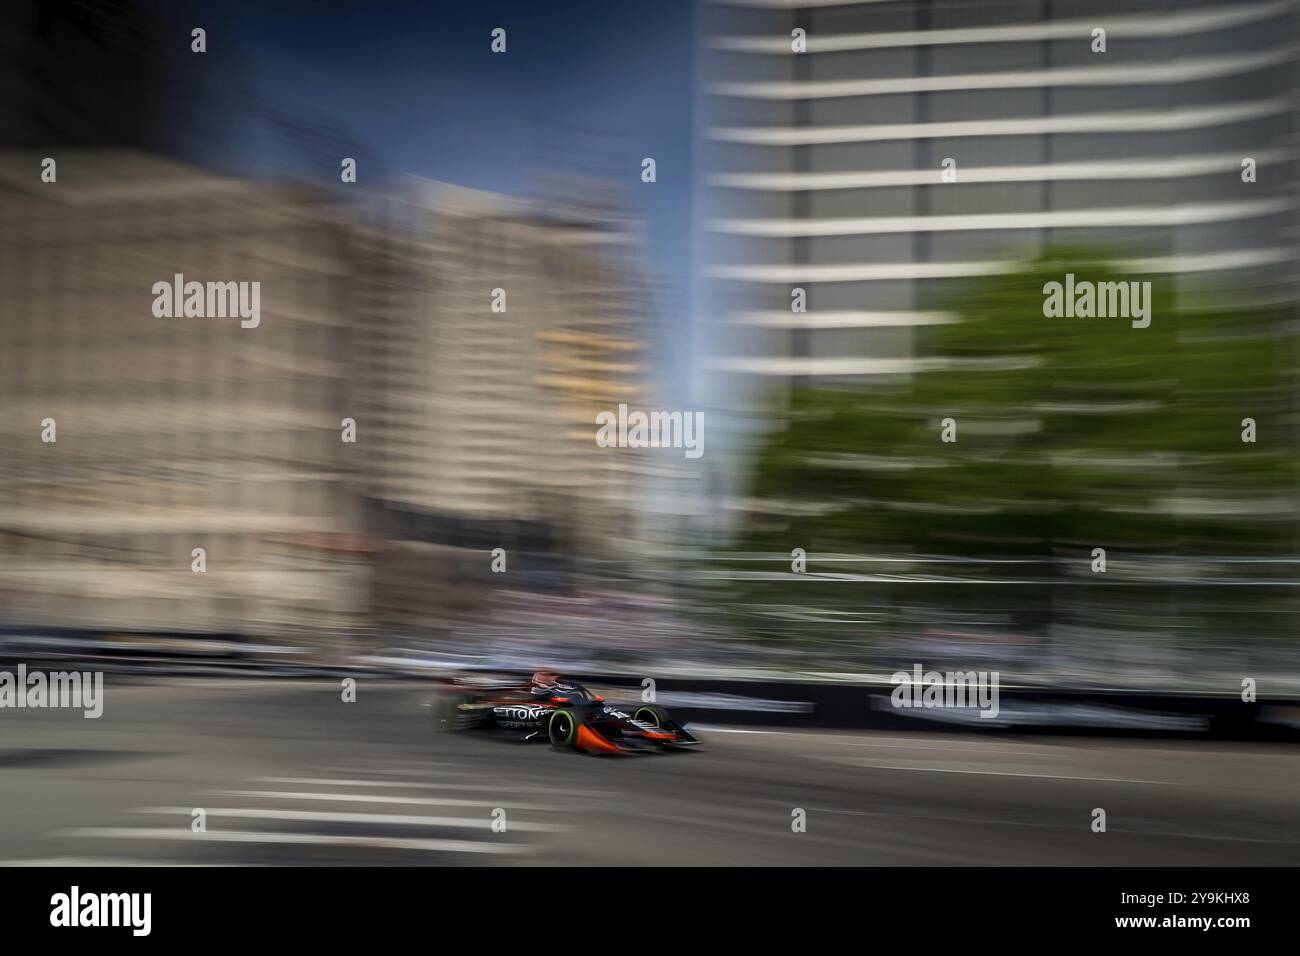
[727, 730]
[304, 839]
[895, 742]
[858, 739]
[427, 768]
[323, 816]
[478, 785]
[372, 798]
[108, 861]
[1001, 773]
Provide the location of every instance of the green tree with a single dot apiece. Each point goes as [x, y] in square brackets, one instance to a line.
[1071, 433]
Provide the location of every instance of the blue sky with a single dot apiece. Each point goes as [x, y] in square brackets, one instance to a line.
[584, 83]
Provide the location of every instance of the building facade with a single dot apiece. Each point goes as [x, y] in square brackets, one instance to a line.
[915, 145]
[492, 332]
[133, 439]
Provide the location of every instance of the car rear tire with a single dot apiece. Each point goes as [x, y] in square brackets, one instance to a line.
[562, 729]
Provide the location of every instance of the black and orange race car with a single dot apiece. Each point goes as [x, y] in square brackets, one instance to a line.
[564, 713]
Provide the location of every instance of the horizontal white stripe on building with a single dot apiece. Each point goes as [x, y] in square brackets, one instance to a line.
[1185, 70]
[1151, 121]
[1208, 262]
[1163, 24]
[1139, 216]
[1165, 167]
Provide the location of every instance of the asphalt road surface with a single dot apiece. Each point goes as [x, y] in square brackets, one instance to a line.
[287, 773]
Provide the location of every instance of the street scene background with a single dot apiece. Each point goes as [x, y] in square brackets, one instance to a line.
[824, 232]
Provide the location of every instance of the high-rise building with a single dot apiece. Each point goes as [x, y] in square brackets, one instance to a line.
[863, 162]
[913, 145]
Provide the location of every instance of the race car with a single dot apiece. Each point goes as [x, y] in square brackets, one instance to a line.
[565, 713]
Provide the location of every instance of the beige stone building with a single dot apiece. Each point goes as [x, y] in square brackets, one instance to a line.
[179, 433]
[475, 428]
[493, 332]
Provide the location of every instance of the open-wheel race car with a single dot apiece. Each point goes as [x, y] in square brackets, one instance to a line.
[565, 713]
